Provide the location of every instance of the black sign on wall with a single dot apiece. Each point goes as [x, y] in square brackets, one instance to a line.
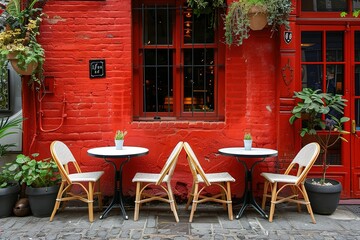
[97, 68]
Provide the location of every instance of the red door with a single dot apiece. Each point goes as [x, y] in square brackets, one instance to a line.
[355, 110]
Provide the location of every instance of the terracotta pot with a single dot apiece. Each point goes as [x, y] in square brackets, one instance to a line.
[14, 63]
[258, 18]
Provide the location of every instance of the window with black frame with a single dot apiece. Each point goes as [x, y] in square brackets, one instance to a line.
[177, 71]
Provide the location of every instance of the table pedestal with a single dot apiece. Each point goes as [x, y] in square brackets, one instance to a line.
[248, 198]
[118, 193]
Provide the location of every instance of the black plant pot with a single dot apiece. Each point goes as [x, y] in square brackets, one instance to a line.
[324, 199]
[8, 198]
[42, 200]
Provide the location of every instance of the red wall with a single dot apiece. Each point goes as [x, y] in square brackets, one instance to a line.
[77, 31]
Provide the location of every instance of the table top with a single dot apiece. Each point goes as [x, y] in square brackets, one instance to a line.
[253, 153]
[111, 152]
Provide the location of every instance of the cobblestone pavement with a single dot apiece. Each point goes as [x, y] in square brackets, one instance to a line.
[210, 222]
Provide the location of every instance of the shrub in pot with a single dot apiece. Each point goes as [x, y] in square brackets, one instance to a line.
[323, 120]
[9, 189]
[41, 178]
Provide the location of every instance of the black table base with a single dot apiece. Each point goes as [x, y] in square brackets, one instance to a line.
[118, 194]
[248, 199]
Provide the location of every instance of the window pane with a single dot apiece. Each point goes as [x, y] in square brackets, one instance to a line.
[158, 87]
[356, 4]
[335, 79]
[357, 114]
[198, 29]
[311, 46]
[158, 25]
[357, 80]
[334, 46]
[323, 5]
[312, 76]
[199, 80]
[357, 46]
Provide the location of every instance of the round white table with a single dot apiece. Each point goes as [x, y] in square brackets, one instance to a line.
[240, 153]
[108, 154]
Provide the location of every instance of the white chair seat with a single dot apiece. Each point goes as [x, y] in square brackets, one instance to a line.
[217, 177]
[148, 177]
[86, 177]
[274, 177]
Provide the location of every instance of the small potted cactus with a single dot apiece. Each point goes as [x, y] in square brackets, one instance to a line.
[119, 139]
[247, 141]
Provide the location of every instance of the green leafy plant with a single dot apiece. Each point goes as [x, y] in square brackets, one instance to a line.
[6, 177]
[32, 172]
[355, 13]
[120, 135]
[322, 112]
[237, 22]
[6, 124]
[18, 39]
[247, 136]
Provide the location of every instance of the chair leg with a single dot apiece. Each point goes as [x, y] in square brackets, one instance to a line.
[273, 200]
[137, 201]
[266, 185]
[172, 202]
[223, 195]
[58, 200]
[229, 200]
[91, 202]
[307, 202]
[194, 201]
[191, 197]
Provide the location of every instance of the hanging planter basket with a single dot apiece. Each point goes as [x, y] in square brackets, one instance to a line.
[14, 63]
[258, 18]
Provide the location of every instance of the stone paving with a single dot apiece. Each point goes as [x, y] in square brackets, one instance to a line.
[210, 222]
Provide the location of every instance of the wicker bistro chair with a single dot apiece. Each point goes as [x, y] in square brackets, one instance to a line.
[300, 165]
[88, 181]
[201, 180]
[144, 180]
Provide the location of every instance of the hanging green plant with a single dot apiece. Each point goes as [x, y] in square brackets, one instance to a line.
[238, 18]
[18, 40]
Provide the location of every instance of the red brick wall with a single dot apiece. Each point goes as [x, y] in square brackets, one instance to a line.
[77, 31]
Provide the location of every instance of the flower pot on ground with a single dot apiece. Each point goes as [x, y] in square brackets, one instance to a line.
[324, 114]
[9, 189]
[42, 200]
[40, 177]
[325, 198]
[8, 198]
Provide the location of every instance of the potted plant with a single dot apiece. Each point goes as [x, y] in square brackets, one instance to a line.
[323, 115]
[119, 139]
[244, 15]
[9, 189]
[18, 43]
[41, 178]
[247, 141]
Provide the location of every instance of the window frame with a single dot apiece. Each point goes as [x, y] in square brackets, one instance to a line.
[178, 46]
